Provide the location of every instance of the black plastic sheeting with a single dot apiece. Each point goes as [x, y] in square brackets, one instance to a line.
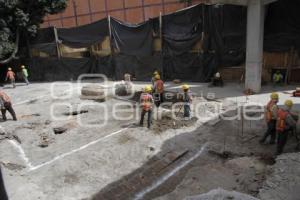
[282, 26]
[140, 67]
[223, 42]
[84, 36]
[44, 41]
[222, 28]
[182, 29]
[132, 39]
[66, 69]
[225, 34]
[190, 67]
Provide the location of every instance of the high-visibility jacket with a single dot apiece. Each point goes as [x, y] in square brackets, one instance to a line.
[281, 120]
[25, 72]
[10, 75]
[159, 86]
[5, 97]
[277, 77]
[146, 101]
[269, 111]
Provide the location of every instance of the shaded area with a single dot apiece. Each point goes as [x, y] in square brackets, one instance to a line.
[84, 36]
[132, 39]
[282, 26]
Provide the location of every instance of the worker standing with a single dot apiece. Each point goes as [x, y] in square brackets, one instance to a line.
[11, 77]
[187, 99]
[25, 74]
[158, 90]
[153, 78]
[146, 101]
[285, 124]
[6, 105]
[271, 118]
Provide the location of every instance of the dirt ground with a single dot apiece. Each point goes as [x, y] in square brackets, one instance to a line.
[63, 147]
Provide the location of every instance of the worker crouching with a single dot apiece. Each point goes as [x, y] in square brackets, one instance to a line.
[146, 101]
[187, 99]
[285, 124]
[271, 118]
[6, 105]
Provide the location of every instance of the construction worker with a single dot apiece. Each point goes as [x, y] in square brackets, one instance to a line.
[217, 80]
[271, 117]
[11, 77]
[25, 74]
[146, 101]
[285, 124]
[187, 99]
[6, 105]
[153, 77]
[158, 90]
[277, 78]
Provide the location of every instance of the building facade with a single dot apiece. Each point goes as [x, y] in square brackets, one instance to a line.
[81, 12]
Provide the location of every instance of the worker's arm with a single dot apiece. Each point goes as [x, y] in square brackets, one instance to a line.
[290, 121]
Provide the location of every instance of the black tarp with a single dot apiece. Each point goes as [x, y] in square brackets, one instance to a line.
[65, 69]
[225, 34]
[141, 67]
[190, 67]
[181, 30]
[132, 39]
[282, 26]
[84, 36]
[44, 41]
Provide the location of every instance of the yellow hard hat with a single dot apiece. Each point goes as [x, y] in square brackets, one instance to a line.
[289, 103]
[155, 73]
[157, 76]
[185, 87]
[274, 95]
[148, 88]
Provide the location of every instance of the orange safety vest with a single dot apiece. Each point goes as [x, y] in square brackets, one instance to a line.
[281, 118]
[269, 114]
[10, 75]
[159, 86]
[146, 102]
[5, 97]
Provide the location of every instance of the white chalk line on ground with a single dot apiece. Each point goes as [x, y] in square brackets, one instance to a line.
[33, 168]
[21, 153]
[156, 184]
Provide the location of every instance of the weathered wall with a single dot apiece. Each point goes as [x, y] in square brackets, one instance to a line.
[80, 12]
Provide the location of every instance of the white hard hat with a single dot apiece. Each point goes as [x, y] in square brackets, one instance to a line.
[218, 75]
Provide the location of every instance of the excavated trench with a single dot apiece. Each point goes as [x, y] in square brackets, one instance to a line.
[230, 158]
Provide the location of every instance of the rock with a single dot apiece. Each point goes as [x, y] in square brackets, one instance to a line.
[59, 130]
[93, 92]
[76, 112]
[176, 81]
